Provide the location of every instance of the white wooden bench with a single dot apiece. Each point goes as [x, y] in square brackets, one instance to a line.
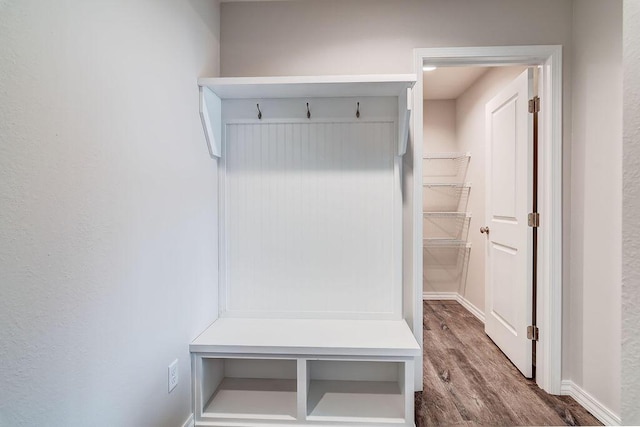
[261, 372]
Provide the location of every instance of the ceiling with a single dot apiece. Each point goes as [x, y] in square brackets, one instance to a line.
[450, 82]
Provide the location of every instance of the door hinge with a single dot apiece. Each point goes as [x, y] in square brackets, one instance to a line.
[534, 105]
[534, 219]
[532, 333]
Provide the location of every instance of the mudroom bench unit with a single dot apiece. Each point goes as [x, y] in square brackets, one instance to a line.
[249, 372]
[310, 327]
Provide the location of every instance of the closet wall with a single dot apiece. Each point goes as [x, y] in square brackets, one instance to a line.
[465, 132]
[439, 126]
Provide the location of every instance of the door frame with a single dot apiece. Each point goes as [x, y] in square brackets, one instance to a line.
[549, 269]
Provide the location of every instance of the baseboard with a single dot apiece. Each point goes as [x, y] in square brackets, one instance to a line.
[597, 409]
[440, 296]
[189, 422]
[454, 296]
[470, 307]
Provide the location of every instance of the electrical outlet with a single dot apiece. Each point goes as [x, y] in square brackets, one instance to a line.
[173, 375]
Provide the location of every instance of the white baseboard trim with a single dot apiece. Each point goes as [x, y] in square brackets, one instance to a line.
[439, 296]
[597, 409]
[448, 296]
[189, 422]
[471, 308]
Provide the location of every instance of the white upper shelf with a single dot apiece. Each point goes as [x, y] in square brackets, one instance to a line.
[309, 86]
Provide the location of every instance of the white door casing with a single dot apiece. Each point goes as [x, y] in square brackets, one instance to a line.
[550, 231]
[508, 288]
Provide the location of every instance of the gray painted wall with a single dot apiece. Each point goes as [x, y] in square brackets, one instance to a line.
[630, 224]
[108, 241]
[593, 327]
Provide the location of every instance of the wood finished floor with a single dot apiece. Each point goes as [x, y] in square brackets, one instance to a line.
[468, 381]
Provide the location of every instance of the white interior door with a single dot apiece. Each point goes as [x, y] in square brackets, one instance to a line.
[509, 255]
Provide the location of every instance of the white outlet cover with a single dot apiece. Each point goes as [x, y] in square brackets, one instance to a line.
[173, 375]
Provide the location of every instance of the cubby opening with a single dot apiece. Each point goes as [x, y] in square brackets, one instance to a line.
[342, 391]
[249, 388]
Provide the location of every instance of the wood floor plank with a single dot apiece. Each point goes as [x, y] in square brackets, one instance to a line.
[469, 381]
[486, 367]
[440, 406]
[472, 395]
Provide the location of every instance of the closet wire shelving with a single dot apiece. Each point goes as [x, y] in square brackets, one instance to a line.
[445, 214]
[453, 166]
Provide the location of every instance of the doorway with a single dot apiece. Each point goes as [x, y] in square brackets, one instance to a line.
[454, 178]
[509, 60]
[477, 182]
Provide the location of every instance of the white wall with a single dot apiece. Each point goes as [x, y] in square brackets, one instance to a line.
[108, 246]
[630, 209]
[375, 36]
[593, 329]
[470, 129]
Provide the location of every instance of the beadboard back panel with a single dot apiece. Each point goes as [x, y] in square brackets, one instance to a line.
[311, 219]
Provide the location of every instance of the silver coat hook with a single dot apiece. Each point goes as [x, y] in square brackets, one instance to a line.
[308, 112]
[358, 111]
[259, 112]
